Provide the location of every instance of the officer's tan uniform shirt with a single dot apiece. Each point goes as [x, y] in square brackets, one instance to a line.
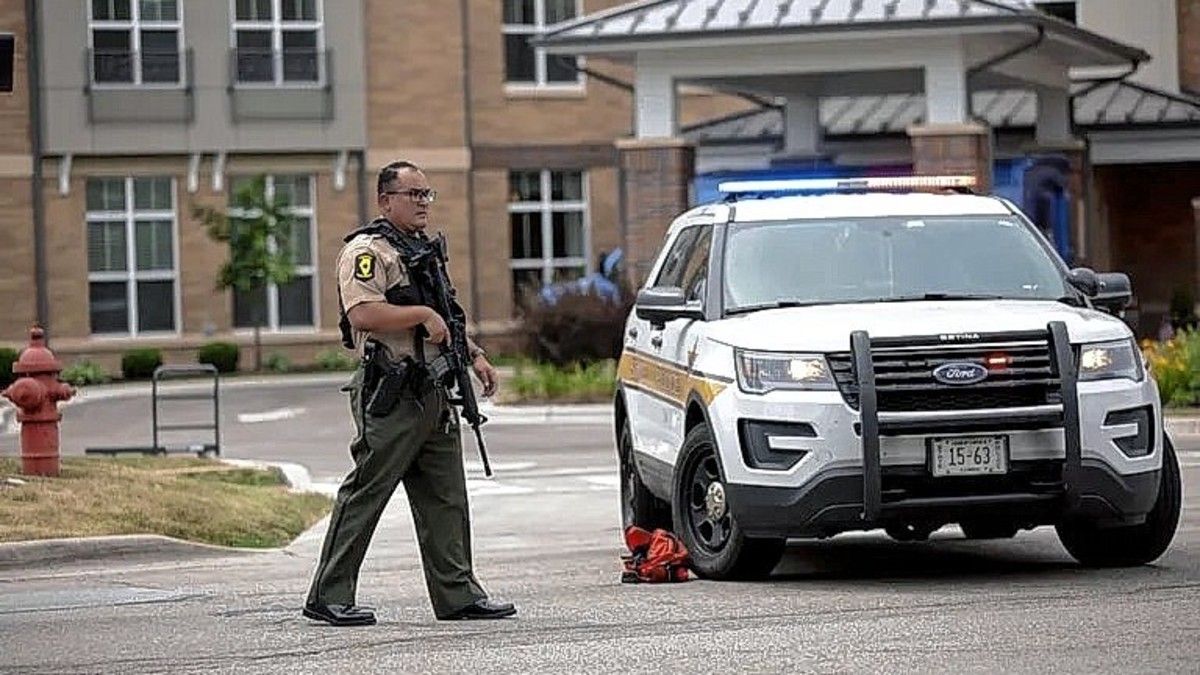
[367, 267]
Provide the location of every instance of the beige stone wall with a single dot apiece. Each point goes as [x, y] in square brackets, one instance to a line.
[66, 255]
[656, 176]
[337, 215]
[452, 216]
[17, 292]
[1189, 45]
[414, 75]
[495, 245]
[203, 307]
[14, 107]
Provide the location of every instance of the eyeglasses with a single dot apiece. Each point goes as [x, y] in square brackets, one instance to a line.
[416, 195]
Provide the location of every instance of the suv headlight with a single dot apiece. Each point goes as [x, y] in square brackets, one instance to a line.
[761, 372]
[1110, 361]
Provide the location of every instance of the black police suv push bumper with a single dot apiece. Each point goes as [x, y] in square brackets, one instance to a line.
[1031, 493]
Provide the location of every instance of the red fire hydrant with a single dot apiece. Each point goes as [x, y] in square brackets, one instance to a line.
[36, 394]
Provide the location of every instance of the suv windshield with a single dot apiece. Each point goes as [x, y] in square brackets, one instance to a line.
[881, 259]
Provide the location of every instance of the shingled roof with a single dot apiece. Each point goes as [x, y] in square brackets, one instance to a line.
[1105, 105]
[658, 20]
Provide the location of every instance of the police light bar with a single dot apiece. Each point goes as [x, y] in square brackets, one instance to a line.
[846, 184]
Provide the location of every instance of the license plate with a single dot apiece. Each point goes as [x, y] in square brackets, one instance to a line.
[969, 455]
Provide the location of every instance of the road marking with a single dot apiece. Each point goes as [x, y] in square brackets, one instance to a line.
[531, 420]
[478, 488]
[270, 415]
[477, 467]
[547, 473]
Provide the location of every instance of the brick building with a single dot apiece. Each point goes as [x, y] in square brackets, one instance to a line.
[147, 109]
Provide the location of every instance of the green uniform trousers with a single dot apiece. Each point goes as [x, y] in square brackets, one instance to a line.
[420, 445]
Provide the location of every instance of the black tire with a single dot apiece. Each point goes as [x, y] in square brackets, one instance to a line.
[718, 547]
[1130, 545]
[639, 506]
[982, 529]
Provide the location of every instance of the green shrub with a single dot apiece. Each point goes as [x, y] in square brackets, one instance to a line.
[223, 355]
[336, 359]
[85, 372]
[7, 358]
[595, 382]
[277, 363]
[1176, 367]
[139, 364]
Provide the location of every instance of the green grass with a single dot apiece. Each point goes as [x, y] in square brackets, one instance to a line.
[194, 499]
[543, 382]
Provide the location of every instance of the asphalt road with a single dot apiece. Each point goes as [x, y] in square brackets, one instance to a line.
[547, 537]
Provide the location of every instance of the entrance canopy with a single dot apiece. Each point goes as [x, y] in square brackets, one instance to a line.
[941, 51]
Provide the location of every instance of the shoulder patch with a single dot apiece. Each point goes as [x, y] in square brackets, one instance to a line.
[364, 266]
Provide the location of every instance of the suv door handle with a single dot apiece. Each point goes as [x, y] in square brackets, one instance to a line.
[656, 340]
[633, 332]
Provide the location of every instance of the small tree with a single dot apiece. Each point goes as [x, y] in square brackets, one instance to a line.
[258, 230]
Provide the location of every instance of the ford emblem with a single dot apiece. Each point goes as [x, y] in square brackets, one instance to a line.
[960, 373]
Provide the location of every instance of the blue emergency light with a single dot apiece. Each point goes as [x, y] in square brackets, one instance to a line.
[859, 184]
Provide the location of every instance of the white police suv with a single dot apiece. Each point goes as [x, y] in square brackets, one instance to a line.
[812, 357]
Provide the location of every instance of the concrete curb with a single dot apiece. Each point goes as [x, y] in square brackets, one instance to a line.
[20, 554]
[1182, 425]
[296, 475]
[128, 390]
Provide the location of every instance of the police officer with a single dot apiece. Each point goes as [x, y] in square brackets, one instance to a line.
[416, 442]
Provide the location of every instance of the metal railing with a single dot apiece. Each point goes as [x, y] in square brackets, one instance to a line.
[107, 67]
[280, 67]
[201, 448]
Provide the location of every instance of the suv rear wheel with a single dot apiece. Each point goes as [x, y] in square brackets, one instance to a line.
[1130, 545]
[718, 547]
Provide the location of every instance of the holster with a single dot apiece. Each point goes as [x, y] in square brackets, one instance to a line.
[385, 383]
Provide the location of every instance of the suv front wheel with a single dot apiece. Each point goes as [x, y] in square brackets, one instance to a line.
[1130, 545]
[639, 507]
[718, 547]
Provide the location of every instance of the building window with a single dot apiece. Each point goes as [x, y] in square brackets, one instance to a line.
[290, 305]
[131, 255]
[136, 42]
[548, 217]
[523, 64]
[1063, 10]
[278, 42]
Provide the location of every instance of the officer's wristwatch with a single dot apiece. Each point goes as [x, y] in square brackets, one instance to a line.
[476, 353]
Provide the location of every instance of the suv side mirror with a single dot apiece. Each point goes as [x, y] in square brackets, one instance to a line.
[1110, 291]
[661, 304]
[1085, 280]
[1115, 292]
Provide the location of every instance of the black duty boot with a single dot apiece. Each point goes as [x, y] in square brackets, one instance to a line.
[482, 609]
[340, 615]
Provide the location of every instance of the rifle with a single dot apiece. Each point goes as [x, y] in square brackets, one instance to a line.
[428, 264]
